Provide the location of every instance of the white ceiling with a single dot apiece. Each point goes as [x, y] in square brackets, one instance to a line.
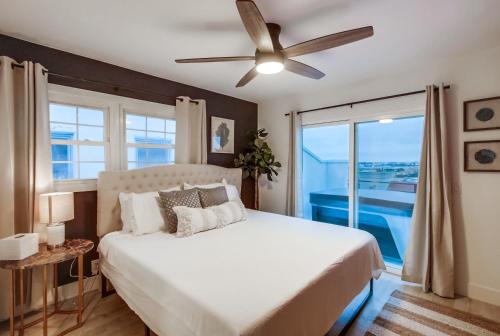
[148, 35]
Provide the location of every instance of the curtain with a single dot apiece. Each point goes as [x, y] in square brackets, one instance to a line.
[191, 131]
[429, 257]
[25, 167]
[294, 178]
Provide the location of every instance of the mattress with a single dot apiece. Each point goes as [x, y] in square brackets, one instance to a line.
[268, 275]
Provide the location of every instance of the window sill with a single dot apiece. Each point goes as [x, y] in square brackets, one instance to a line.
[76, 185]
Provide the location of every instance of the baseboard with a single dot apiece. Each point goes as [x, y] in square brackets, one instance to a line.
[70, 290]
[485, 294]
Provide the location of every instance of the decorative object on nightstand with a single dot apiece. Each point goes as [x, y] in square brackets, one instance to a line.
[19, 246]
[55, 209]
[71, 249]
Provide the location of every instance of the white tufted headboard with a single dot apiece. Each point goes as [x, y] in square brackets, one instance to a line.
[111, 183]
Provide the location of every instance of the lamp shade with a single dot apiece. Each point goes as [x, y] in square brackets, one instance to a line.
[56, 207]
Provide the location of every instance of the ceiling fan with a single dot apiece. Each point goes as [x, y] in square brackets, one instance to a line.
[270, 57]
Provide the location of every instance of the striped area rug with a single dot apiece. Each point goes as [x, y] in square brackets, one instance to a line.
[408, 315]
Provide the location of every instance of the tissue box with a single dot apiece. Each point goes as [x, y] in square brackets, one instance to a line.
[18, 246]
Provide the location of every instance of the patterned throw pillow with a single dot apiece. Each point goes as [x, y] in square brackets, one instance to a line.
[168, 200]
[213, 196]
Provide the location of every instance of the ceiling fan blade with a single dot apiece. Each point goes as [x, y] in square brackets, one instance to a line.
[215, 59]
[329, 41]
[255, 25]
[303, 69]
[248, 77]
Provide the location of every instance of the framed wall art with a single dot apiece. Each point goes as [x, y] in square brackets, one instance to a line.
[482, 114]
[222, 135]
[482, 156]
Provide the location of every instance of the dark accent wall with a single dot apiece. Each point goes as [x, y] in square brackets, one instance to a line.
[94, 75]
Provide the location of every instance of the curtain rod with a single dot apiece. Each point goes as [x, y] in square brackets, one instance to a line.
[365, 101]
[115, 87]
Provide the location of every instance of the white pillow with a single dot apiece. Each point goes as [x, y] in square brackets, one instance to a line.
[230, 212]
[127, 212]
[231, 190]
[140, 212]
[194, 220]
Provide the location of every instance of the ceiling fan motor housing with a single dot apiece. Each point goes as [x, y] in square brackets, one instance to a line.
[276, 56]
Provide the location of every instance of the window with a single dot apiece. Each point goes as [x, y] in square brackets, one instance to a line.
[78, 141]
[91, 132]
[387, 166]
[325, 182]
[149, 140]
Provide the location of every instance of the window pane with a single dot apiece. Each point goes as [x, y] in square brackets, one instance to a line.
[90, 116]
[135, 122]
[91, 153]
[62, 131]
[64, 171]
[148, 155]
[387, 167]
[132, 165]
[136, 136]
[62, 113]
[170, 125]
[325, 155]
[156, 135]
[64, 153]
[170, 137]
[90, 133]
[156, 124]
[90, 170]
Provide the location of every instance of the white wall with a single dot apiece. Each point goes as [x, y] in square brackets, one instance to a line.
[476, 195]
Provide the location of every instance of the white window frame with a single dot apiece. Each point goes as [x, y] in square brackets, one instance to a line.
[114, 108]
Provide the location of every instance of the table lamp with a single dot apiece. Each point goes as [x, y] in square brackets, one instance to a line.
[55, 209]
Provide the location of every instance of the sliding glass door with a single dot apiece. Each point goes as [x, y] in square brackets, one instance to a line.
[364, 174]
[387, 166]
[325, 173]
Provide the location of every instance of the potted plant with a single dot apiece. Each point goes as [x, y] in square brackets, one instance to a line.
[257, 160]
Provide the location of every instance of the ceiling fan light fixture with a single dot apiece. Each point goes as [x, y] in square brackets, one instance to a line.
[269, 68]
[269, 63]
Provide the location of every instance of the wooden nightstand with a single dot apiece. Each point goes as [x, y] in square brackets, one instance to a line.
[72, 248]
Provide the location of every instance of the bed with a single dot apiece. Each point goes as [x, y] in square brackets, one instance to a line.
[267, 275]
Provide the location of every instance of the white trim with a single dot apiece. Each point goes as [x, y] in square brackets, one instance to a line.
[169, 146]
[76, 185]
[483, 293]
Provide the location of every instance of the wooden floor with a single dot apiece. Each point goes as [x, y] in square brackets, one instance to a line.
[111, 316]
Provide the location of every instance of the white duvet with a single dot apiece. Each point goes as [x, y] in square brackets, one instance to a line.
[234, 280]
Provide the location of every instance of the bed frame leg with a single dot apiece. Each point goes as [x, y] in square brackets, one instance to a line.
[147, 331]
[104, 287]
[357, 311]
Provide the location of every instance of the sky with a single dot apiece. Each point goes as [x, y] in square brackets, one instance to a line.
[399, 141]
